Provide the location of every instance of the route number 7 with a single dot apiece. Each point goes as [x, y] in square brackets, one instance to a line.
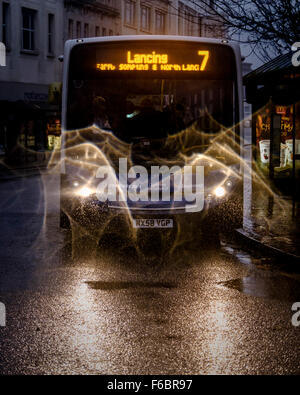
[205, 55]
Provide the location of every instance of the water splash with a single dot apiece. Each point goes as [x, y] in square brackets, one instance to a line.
[224, 152]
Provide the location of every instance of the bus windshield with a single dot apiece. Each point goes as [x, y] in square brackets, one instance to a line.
[152, 95]
[151, 108]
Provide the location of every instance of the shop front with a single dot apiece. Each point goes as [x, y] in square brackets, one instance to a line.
[274, 92]
[28, 120]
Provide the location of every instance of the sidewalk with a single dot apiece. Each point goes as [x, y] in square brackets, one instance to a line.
[273, 226]
[271, 222]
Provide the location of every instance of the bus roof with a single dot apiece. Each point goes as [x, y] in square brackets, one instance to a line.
[71, 43]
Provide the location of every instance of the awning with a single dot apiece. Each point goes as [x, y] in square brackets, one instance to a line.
[280, 65]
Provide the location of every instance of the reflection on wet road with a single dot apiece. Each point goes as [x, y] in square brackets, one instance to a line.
[266, 283]
[275, 287]
[202, 311]
[111, 286]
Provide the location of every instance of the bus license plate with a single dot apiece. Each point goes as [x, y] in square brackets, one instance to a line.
[152, 223]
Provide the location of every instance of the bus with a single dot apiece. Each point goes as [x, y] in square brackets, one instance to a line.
[151, 137]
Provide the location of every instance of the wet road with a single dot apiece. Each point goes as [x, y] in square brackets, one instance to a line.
[207, 311]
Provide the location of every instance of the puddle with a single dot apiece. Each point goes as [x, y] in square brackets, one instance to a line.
[271, 287]
[243, 257]
[252, 261]
[119, 285]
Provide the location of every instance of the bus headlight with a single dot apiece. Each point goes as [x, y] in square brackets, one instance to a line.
[220, 192]
[85, 192]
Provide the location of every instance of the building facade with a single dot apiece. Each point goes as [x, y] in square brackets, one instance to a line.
[94, 18]
[91, 18]
[31, 30]
[167, 17]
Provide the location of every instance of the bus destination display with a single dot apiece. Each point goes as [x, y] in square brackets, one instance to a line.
[154, 61]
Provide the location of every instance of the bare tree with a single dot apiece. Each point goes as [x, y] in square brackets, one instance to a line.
[269, 26]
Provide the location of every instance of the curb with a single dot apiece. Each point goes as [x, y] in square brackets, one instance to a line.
[252, 240]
